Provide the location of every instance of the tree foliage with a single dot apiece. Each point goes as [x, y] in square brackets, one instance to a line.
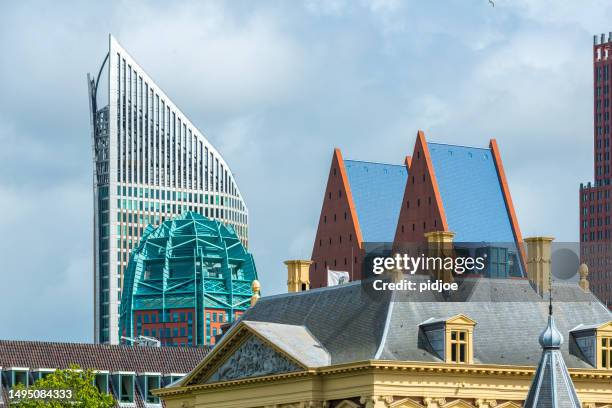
[84, 394]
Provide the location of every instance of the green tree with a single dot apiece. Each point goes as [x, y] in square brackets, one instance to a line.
[84, 394]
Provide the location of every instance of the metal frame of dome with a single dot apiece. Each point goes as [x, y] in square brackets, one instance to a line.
[187, 261]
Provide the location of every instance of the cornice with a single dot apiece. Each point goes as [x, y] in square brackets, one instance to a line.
[389, 366]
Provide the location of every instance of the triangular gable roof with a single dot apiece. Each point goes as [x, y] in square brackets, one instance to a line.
[377, 190]
[461, 319]
[297, 341]
[471, 193]
[605, 326]
[294, 342]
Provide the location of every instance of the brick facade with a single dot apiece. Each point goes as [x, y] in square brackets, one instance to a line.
[338, 243]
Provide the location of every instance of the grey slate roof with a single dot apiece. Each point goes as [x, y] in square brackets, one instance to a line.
[295, 340]
[353, 326]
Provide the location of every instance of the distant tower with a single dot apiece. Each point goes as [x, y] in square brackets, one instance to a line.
[150, 164]
[595, 201]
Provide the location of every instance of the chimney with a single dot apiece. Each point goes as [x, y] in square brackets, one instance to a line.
[603, 38]
[610, 36]
[539, 262]
[256, 288]
[298, 275]
[440, 244]
[594, 40]
[583, 271]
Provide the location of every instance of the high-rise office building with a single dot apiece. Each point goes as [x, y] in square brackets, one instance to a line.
[595, 201]
[150, 164]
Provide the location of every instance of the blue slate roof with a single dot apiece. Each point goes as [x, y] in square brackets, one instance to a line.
[378, 191]
[471, 193]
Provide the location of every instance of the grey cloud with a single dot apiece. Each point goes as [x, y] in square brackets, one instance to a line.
[276, 86]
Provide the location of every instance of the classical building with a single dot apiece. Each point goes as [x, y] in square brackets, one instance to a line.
[339, 347]
[185, 280]
[595, 201]
[150, 164]
[128, 373]
[440, 187]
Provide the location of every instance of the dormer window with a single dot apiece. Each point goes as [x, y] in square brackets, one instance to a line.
[123, 384]
[18, 375]
[593, 344]
[449, 339]
[149, 382]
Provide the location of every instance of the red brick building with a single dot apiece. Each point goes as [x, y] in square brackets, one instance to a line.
[361, 204]
[440, 187]
[595, 201]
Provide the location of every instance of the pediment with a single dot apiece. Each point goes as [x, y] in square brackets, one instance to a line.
[242, 354]
[253, 358]
[606, 327]
[460, 319]
[508, 404]
[406, 403]
[458, 403]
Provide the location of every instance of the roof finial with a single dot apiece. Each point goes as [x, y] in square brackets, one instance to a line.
[550, 294]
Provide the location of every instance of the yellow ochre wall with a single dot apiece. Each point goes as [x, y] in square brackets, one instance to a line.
[378, 384]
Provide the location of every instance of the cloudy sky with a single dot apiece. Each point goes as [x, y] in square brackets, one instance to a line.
[276, 86]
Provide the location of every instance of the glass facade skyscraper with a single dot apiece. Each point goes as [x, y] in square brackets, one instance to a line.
[150, 164]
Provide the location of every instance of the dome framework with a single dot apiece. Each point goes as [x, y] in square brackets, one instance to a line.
[185, 280]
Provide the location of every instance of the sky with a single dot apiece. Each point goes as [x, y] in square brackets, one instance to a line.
[275, 86]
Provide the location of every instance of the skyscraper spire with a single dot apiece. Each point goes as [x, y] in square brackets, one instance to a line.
[552, 385]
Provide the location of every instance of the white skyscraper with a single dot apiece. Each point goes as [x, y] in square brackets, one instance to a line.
[150, 164]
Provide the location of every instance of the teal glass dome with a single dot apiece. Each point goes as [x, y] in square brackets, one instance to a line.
[183, 272]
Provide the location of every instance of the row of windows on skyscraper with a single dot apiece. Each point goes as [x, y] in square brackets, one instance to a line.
[156, 147]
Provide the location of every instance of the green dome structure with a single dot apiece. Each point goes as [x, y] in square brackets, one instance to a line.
[185, 280]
